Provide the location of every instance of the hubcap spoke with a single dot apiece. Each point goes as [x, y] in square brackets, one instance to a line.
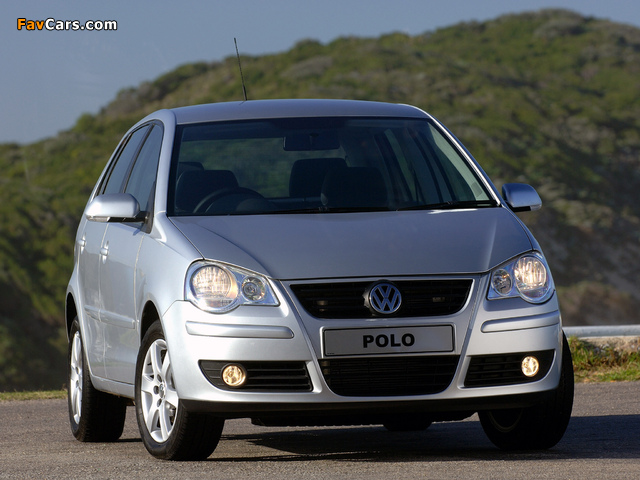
[148, 384]
[165, 420]
[152, 419]
[156, 358]
[171, 397]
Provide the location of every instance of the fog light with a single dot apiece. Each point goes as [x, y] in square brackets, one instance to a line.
[234, 375]
[530, 366]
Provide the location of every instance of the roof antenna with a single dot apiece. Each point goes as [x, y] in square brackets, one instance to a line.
[244, 90]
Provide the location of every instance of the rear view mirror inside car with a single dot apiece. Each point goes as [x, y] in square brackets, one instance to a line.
[308, 141]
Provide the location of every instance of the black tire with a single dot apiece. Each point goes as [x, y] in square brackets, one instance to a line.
[167, 429]
[94, 416]
[534, 428]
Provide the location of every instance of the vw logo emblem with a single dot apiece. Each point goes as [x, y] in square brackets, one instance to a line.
[384, 298]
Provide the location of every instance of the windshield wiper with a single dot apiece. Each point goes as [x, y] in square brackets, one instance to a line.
[297, 210]
[330, 210]
[452, 205]
[354, 209]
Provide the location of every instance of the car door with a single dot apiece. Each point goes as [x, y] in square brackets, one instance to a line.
[120, 247]
[88, 249]
[90, 258]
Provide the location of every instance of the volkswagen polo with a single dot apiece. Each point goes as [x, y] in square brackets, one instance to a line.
[309, 262]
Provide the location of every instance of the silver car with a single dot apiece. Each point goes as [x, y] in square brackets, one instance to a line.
[309, 262]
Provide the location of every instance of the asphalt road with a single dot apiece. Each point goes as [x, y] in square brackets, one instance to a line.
[602, 441]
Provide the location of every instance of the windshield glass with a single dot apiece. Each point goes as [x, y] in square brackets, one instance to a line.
[319, 165]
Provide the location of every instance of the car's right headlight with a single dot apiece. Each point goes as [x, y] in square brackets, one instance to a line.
[527, 276]
[218, 288]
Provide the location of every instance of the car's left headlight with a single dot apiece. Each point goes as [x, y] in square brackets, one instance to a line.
[527, 276]
[219, 288]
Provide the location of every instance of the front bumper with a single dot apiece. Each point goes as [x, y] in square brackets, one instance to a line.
[286, 333]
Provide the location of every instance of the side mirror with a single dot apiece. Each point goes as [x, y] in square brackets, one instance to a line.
[114, 207]
[521, 197]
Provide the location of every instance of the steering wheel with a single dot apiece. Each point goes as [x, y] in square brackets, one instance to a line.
[243, 193]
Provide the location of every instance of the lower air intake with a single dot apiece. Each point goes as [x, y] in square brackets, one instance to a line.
[381, 377]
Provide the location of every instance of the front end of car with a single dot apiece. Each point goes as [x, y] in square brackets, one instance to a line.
[345, 349]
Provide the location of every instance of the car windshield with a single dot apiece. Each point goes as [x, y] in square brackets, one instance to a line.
[319, 165]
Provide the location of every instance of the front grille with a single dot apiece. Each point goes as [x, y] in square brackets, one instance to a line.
[505, 369]
[262, 376]
[378, 377]
[420, 298]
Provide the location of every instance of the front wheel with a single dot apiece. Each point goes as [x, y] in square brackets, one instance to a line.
[167, 429]
[538, 427]
[94, 416]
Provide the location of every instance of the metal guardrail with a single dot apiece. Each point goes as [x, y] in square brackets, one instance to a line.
[603, 331]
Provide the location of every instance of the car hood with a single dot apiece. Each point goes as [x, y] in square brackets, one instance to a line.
[371, 244]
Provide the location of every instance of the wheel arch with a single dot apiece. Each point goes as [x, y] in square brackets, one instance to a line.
[149, 316]
[71, 311]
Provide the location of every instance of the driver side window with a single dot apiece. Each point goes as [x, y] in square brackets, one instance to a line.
[118, 172]
[142, 180]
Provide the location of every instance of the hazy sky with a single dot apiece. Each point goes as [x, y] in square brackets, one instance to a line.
[49, 78]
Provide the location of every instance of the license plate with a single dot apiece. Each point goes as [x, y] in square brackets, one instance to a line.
[365, 341]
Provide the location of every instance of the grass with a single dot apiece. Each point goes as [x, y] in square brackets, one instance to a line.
[44, 395]
[591, 363]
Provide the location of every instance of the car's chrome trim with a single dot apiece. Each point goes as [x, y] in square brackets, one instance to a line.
[522, 323]
[237, 331]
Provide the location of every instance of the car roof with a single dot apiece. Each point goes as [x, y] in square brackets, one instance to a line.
[260, 109]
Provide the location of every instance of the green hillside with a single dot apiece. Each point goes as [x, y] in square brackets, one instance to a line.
[550, 98]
